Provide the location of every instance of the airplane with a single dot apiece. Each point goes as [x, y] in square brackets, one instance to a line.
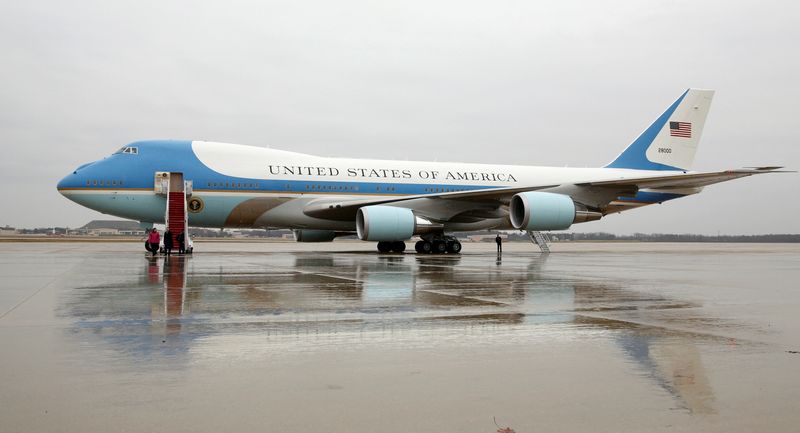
[320, 198]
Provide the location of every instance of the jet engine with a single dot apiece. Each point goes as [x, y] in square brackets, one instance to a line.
[536, 210]
[389, 223]
[304, 235]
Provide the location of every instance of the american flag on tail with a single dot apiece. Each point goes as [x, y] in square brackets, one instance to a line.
[680, 129]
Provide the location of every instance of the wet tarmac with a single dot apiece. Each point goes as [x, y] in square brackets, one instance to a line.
[336, 338]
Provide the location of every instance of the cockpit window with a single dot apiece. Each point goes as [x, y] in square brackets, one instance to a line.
[128, 149]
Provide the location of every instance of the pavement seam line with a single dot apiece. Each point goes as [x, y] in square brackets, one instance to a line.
[29, 297]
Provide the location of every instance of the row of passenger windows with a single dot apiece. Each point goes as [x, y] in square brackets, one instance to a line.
[329, 187]
[103, 183]
[232, 185]
[316, 187]
[344, 188]
[310, 187]
[444, 189]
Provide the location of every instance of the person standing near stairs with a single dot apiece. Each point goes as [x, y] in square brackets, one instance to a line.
[181, 243]
[499, 241]
[167, 242]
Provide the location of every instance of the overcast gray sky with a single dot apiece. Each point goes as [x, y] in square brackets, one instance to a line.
[570, 82]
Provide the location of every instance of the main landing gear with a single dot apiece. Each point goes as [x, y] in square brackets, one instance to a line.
[430, 244]
[438, 244]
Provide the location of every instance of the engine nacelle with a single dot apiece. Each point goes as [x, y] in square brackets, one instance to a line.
[389, 223]
[536, 210]
[304, 235]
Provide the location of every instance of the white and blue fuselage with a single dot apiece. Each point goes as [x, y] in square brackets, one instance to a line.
[246, 186]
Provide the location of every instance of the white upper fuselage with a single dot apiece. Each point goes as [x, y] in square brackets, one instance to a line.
[272, 164]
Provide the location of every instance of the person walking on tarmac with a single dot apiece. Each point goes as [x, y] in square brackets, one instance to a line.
[499, 241]
[181, 243]
[167, 242]
[153, 240]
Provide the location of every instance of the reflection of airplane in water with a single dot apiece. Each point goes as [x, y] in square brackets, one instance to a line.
[179, 301]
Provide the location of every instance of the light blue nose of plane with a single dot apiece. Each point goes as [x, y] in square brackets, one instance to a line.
[72, 181]
[64, 183]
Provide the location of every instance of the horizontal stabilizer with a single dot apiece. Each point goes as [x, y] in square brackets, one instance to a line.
[685, 180]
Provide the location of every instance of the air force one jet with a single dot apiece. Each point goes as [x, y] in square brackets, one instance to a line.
[206, 184]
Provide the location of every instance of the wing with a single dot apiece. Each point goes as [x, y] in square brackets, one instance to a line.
[460, 201]
[488, 203]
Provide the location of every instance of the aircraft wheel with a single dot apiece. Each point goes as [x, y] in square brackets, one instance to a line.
[384, 247]
[398, 246]
[439, 247]
[454, 247]
[418, 246]
[425, 247]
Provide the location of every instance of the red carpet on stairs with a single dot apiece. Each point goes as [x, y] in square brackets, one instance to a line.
[176, 215]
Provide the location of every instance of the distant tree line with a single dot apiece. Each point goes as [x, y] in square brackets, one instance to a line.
[43, 231]
[668, 237]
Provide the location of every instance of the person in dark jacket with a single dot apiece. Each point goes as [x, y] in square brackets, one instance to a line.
[181, 243]
[167, 242]
[499, 241]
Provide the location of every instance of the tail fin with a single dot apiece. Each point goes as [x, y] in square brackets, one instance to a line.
[671, 141]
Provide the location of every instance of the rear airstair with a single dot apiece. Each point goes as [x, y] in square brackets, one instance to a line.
[540, 239]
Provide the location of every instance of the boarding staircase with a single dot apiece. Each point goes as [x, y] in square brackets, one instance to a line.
[539, 239]
[176, 217]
